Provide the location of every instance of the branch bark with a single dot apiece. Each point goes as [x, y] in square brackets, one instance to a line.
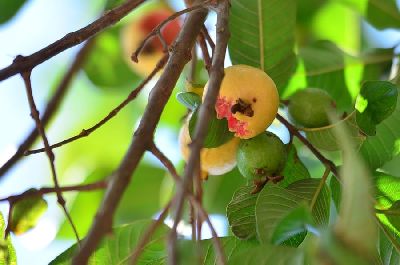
[180, 55]
[216, 76]
[51, 107]
[26, 63]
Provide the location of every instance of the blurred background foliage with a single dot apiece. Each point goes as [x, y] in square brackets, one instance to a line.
[353, 39]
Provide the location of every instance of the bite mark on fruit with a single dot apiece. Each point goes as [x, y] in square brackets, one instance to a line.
[227, 108]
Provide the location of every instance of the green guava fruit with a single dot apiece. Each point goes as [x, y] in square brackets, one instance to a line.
[308, 108]
[262, 156]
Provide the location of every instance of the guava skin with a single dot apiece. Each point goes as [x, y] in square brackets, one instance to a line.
[262, 156]
[248, 99]
[308, 108]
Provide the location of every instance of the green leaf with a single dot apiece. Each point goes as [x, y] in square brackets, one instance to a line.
[84, 202]
[262, 36]
[296, 222]
[241, 213]
[356, 208]
[105, 66]
[268, 254]
[26, 213]
[294, 168]
[382, 147]
[275, 203]
[8, 9]
[118, 248]
[388, 251]
[7, 251]
[383, 14]
[324, 138]
[217, 132]
[200, 75]
[336, 191]
[324, 63]
[189, 99]
[376, 102]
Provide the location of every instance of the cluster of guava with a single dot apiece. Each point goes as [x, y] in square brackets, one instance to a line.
[248, 99]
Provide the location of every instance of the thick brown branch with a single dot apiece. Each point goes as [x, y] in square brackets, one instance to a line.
[35, 116]
[111, 114]
[180, 55]
[22, 64]
[46, 190]
[51, 107]
[293, 131]
[216, 76]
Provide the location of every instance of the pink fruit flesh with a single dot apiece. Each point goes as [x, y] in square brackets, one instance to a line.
[223, 109]
[169, 32]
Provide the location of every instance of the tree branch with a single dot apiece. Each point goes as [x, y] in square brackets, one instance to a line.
[180, 55]
[22, 64]
[46, 190]
[110, 115]
[35, 115]
[216, 76]
[293, 130]
[51, 107]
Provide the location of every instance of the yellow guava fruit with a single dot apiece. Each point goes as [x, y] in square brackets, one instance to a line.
[214, 161]
[248, 99]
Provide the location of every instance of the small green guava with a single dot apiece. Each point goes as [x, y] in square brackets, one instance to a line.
[262, 156]
[308, 108]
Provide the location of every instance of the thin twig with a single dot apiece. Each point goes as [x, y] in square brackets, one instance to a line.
[157, 30]
[50, 155]
[293, 130]
[111, 114]
[9, 221]
[208, 38]
[143, 137]
[51, 107]
[165, 161]
[22, 64]
[320, 186]
[204, 50]
[198, 185]
[216, 76]
[148, 234]
[46, 190]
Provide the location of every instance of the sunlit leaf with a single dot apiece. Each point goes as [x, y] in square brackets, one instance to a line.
[263, 36]
[118, 248]
[376, 102]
